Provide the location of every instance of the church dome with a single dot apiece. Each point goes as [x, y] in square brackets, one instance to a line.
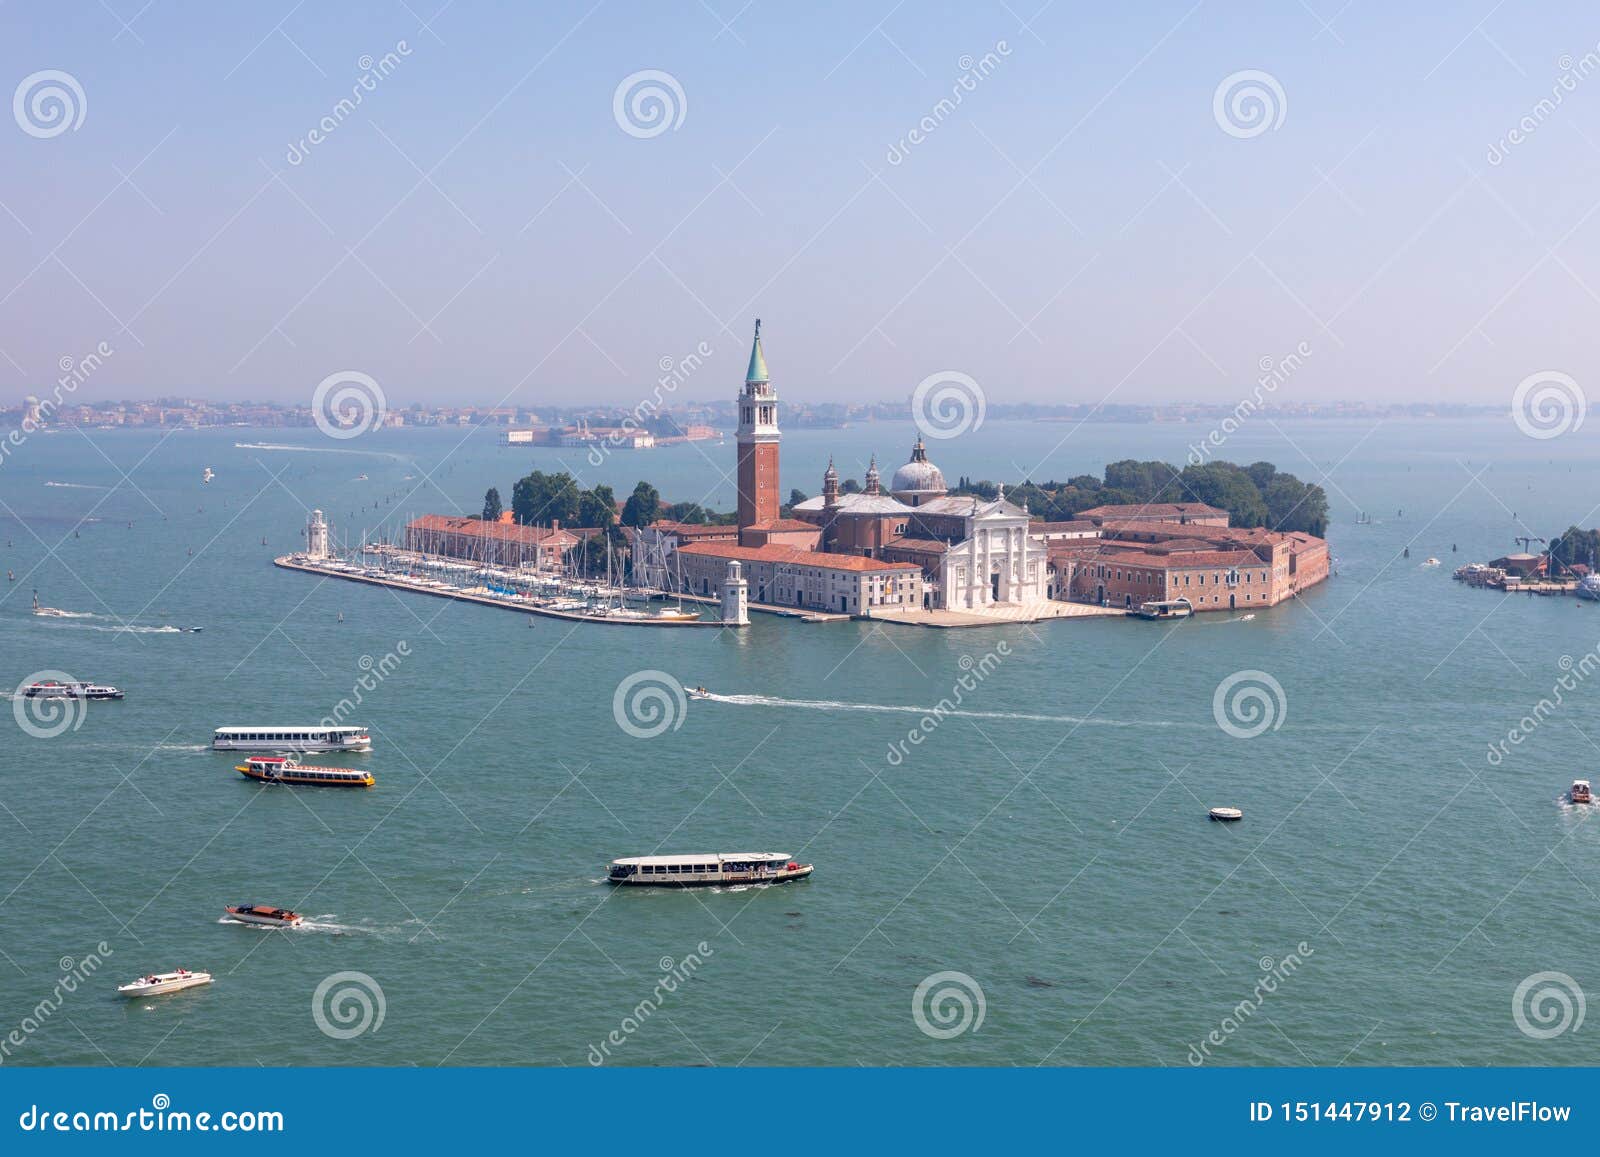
[918, 476]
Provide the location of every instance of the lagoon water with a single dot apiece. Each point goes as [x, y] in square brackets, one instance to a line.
[1051, 843]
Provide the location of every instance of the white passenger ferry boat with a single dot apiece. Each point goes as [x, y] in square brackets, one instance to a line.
[707, 869]
[315, 737]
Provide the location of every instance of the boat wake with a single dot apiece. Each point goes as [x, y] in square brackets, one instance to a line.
[318, 450]
[126, 628]
[77, 486]
[902, 709]
[58, 613]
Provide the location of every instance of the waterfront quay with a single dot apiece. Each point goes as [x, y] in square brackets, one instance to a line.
[483, 596]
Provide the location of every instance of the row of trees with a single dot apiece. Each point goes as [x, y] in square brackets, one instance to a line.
[1254, 495]
[1573, 545]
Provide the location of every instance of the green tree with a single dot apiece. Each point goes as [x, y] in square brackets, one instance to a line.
[691, 512]
[491, 505]
[643, 506]
[597, 507]
[541, 498]
[796, 497]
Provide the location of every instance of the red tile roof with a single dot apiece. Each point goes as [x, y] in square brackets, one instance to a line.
[772, 552]
[1153, 510]
[500, 531]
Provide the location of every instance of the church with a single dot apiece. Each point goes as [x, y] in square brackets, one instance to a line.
[915, 546]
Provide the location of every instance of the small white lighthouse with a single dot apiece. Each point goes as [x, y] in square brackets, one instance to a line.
[316, 535]
[735, 597]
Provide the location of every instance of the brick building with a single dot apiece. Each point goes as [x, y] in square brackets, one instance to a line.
[1217, 568]
[809, 579]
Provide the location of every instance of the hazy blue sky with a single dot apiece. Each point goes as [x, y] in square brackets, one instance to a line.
[1081, 226]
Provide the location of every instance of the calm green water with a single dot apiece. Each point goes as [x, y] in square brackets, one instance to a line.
[1062, 861]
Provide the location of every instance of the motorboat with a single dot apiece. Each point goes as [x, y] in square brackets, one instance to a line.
[707, 869]
[158, 983]
[265, 914]
[1589, 587]
[697, 692]
[288, 770]
[53, 689]
[1225, 814]
[1430, 561]
[1179, 608]
[48, 612]
[1579, 791]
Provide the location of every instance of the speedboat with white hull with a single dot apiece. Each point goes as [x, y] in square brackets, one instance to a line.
[158, 983]
[707, 869]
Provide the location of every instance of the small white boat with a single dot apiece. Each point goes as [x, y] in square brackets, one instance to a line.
[1226, 814]
[698, 692]
[1579, 791]
[157, 983]
[49, 612]
[1431, 562]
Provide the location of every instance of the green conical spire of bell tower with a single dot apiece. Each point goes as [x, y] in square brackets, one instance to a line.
[758, 362]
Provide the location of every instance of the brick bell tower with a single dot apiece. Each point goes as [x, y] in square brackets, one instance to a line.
[758, 442]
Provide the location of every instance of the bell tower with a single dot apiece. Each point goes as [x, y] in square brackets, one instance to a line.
[758, 441]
